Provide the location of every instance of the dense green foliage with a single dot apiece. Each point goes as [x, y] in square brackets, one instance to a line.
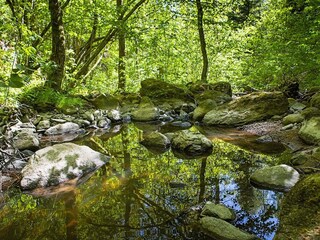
[264, 44]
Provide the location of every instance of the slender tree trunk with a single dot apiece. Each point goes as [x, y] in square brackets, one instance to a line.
[122, 49]
[58, 52]
[105, 40]
[202, 42]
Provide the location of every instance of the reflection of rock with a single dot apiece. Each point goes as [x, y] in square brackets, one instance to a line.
[310, 131]
[281, 177]
[219, 211]
[156, 141]
[247, 109]
[67, 127]
[300, 211]
[59, 163]
[222, 230]
[191, 144]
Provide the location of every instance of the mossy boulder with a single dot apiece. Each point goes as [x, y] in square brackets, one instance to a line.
[222, 230]
[191, 144]
[216, 96]
[156, 141]
[146, 111]
[315, 100]
[310, 112]
[219, 211]
[59, 163]
[26, 140]
[161, 92]
[280, 178]
[300, 210]
[203, 108]
[249, 108]
[105, 102]
[292, 118]
[200, 87]
[310, 131]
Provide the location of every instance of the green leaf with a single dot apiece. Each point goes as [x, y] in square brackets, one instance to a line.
[15, 81]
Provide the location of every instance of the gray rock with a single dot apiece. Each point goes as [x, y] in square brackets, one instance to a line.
[104, 123]
[146, 111]
[281, 177]
[114, 115]
[219, 211]
[191, 144]
[292, 118]
[181, 124]
[82, 122]
[58, 120]
[88, 116]
[44, 124]
[67, 127]
[222, 230]
[59, 163]
[249, 108]
[310, 131]
[297, 106]
[26, 140]
[17, 165]
[287, 127]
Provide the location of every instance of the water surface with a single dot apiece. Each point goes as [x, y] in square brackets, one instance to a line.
[144, 195]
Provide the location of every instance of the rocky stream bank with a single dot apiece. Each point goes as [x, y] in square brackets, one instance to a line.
[36, 151]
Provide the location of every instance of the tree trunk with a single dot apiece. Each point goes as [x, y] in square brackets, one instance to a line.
[122, 49]
[58, 52]
[105, 40]
[202, 42]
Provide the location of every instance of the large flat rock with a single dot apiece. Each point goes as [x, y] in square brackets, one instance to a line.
[249, 108]
[59, 163]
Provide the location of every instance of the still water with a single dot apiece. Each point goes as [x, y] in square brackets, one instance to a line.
[142, 194]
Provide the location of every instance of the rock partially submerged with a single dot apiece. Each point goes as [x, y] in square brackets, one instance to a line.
[247, 109]
[191, 144]
[156, 141]
[280, 178]
[59, 163]
[300, 211]
[222, 230]
[219, 211]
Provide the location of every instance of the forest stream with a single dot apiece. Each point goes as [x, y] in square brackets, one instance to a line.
[143, 194]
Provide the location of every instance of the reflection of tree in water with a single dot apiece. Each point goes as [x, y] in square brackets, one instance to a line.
[132, 198]
[228, 175]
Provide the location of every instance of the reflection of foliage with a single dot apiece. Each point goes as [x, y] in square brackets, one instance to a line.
[132, 198]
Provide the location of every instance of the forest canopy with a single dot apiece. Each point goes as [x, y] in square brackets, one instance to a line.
[110, 46]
